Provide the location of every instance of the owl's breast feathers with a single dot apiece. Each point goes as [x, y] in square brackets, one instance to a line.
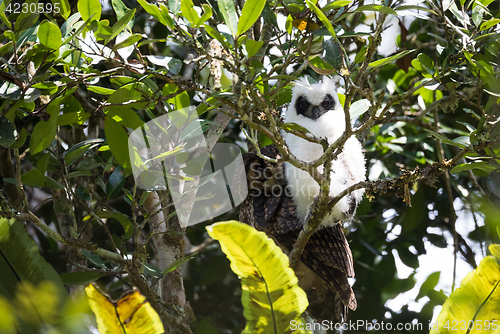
[326, 261]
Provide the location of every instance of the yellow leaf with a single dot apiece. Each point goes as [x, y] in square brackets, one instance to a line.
[270, 295]
[473, 308]
[130, 314]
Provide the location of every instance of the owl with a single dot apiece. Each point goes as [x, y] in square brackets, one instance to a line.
[280, 196]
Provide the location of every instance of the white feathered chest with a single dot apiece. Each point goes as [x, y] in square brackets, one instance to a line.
[316, 107]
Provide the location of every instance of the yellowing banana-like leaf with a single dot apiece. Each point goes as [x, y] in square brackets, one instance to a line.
[271, 296]
[130, 314]
[474, 308]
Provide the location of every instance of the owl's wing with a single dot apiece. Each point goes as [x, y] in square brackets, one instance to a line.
[326, 261]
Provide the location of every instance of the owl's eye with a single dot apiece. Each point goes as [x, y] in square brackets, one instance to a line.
[304, 104]
[325, 104]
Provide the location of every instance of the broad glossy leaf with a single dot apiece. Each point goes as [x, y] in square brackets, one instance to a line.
[65, 8]
[45, 131]
[388, 60]
[179, 262]
[376, 8]
[333, 53]
[493, 183]
[336, 4]
[80, 277]
[481, 165]
[130, 314]
[161, 16]
[249, 14]
[49, 35]
[20, 260]
[320, 66]
[124, 221]
[252, 47]
[87, 8]
[73, 117]
[121, 24]
[33, 178]
[228, 12]
[188, 12]
[7, 132]
[124, 116]
[117, 140]
[476, 301]
[358, 108]
[174, 65]
[490, 23]
[322, 17]
[115, 182]
[270, 296]
[175, 6]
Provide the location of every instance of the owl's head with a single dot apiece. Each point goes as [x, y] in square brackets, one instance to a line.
[312, 101]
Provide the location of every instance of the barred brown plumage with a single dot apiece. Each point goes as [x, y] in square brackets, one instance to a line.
[326, 262]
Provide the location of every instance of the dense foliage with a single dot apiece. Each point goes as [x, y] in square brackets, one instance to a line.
[77, 78]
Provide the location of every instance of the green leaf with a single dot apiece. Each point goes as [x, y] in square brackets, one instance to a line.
[65, 8]
[87, 8]
[179, 262]
[120, 25]
[358, 108]
[215, 34]
[154, 11]
[382, 62]
[320, 66]
[207, 13]
[336, 4]
[20, 260]
[481, 165]
[73, 117]
[117, 140]
[477, 15]
[175, 6]
[294, 126]
[80, 277]
[444, 139]
[7, 132]
[124, 116]
[115, 182]
[45, 131]
[322, 17]
[488, 24]
[100, 90]
[249, 14]
[376, 8]
[252, 47]
[426, 62]
[94, 258]
[174, 65]
[429, 285]
[33, 178]
[493, 183]
[270, 295]
[122, 219]
[49, 35]
[228, 12]
[333, 53]
[188, 11]
[476, 301]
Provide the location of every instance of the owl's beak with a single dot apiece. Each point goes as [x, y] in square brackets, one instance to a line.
[316, 113]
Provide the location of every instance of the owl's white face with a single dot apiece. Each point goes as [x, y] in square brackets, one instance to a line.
[313, 101]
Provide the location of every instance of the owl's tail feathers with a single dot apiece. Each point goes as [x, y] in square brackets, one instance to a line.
[326, 305]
